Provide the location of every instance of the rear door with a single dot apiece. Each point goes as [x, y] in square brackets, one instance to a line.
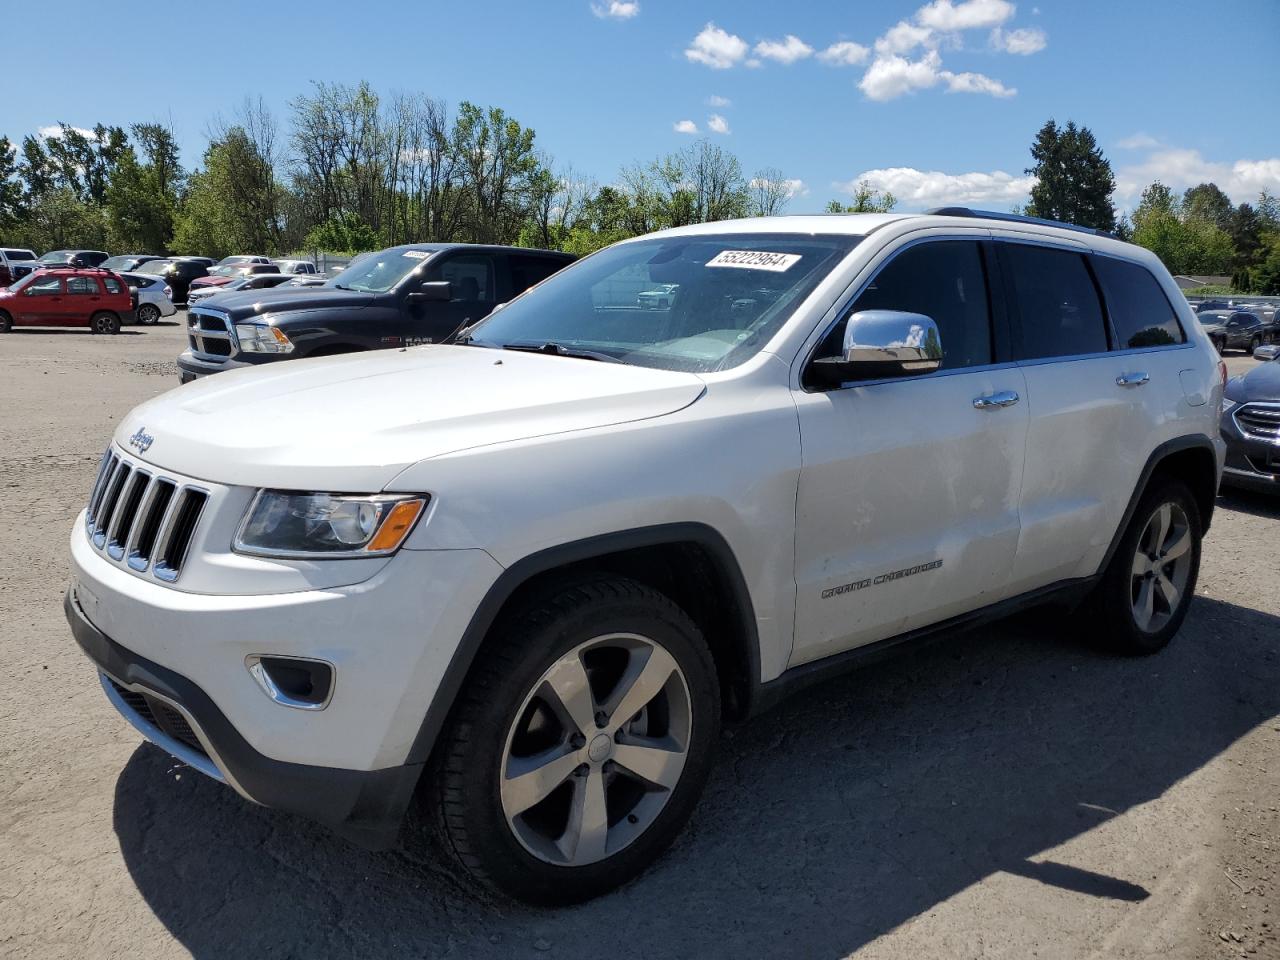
[84, 298]
[42, 301]
[1098, 394]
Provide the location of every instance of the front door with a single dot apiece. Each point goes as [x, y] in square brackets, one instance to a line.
[42, 302]
[907, 509]
[473, 285]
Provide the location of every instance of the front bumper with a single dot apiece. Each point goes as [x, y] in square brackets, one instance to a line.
[365, 806]
[1251, 463]
[190, 367]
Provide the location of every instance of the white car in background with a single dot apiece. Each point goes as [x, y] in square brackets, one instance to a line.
[154, 297]
[296, 267]
[257, 281]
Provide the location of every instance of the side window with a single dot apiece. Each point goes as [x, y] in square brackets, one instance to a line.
[527, 271]
[82, 286]
[1058, 310]
[945, 280]
[1140, 312]
[471, 277]
[112, 284]
[43, 288]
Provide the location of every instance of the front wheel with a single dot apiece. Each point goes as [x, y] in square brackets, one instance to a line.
[107, 323]
[581, 744]
[1145, 592]
[1254, 344]
[6, 322]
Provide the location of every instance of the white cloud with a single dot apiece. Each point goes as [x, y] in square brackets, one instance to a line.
[716, 48]
[684, 126]
[903, 37]
[892, 76]
[947, 17]
[1179, 168]
[616, 9]
[786, 51]
[1138, 141]
[846, 53]
[1024, 41]
[976, 83]
[53, 130]
[921, 189]
[717, 124]
[755, 63]
[717, 101]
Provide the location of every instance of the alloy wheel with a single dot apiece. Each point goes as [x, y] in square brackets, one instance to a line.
[596, 749]
[148, 313]
[1161, 567]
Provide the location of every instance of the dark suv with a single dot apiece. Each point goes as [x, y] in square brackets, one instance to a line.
[74, 258]
[403, 296]
[1238, 330]
[178, 273]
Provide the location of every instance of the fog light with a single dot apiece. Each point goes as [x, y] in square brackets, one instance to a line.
[297, 682]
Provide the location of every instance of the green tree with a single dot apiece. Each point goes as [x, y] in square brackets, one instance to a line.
[59, 219]
[139, 213]
[343, 233]
[866, 199]
[11, 201]
[1207, 202]
[1074, 182]
[497, 158]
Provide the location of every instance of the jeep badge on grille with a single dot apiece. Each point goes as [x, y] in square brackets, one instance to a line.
[141, 440]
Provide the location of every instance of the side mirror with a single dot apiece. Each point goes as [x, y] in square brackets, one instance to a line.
[430, 290]
[880, 344]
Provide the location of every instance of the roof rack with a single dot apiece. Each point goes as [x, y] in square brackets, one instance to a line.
[1016, 218]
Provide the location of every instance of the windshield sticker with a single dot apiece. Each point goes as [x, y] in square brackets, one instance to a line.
[754, 260]
[416, 254]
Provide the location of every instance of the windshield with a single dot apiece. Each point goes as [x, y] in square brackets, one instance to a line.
[56, 256]
[20, 255]
[697, 303]
[119, 263]
[25, 281]
[380, 272]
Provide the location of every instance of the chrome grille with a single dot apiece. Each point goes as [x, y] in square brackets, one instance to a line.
[209, 334]
[143, 519]
[1259, 420]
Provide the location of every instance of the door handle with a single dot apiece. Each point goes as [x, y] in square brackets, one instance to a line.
[1131, 379]
[1005, 398]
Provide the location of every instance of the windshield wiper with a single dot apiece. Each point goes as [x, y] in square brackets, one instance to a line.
[560, 350]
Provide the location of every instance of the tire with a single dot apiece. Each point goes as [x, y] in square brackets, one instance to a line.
[1137, 583]
[6, 322]
[519, 835]
[148, 314]
[105, 323]
[1254, 344]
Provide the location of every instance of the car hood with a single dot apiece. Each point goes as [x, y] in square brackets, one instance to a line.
[352, 423]
[1260, 383]
[247, 304]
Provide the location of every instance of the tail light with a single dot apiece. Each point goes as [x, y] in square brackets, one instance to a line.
[1222, 372]
[168, 291]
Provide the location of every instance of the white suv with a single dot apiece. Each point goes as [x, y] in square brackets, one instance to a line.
[513, 586]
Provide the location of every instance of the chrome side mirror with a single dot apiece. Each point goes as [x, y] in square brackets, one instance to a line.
[883, 343]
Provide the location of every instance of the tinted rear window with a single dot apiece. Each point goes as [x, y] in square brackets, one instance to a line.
[1058, 309]
[20, 255]
[1140, 312]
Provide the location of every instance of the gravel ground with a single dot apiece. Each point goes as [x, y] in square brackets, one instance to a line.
[1006, 794]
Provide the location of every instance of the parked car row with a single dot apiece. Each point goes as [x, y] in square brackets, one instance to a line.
[1240, 329]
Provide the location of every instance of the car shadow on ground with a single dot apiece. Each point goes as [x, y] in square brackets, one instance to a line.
[828, 822]
[1253, 502]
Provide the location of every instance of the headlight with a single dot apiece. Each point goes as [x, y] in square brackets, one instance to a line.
[262, 338]
[323, 525]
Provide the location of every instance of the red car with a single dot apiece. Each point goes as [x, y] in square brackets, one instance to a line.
[67, 297]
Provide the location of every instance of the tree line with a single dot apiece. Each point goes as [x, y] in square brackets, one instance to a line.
[348, 170]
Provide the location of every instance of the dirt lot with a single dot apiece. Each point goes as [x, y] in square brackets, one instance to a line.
[1007, 794]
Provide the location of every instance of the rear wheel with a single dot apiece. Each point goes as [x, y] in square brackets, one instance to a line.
[148, 313]
[1254, 344]
[104, 323]
[1144, 594]
[6, 322]
[581, 743]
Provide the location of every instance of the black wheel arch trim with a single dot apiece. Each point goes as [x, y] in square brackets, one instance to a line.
[563, 555]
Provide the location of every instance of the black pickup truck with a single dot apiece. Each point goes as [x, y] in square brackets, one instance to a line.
[402, 296]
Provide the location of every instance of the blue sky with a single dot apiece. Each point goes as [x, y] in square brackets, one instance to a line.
[936, 101]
